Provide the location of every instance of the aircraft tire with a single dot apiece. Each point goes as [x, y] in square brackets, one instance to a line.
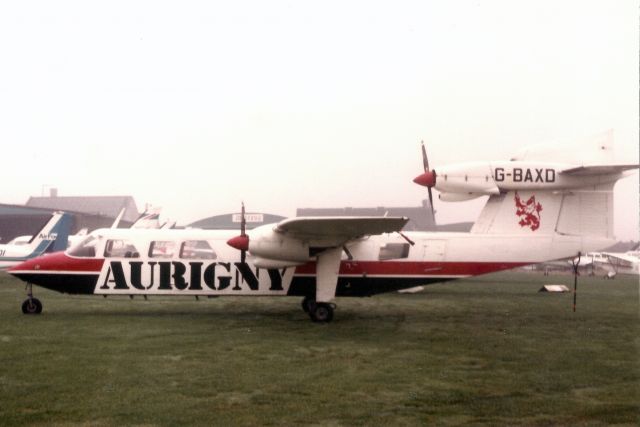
[306, 304]
[321, 312]
[32, 306]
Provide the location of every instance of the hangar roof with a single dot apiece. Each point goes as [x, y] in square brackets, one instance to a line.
[109, 206]
[22, 210]
[231, 221]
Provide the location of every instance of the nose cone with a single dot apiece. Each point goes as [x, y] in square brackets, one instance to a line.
[240, 243]
[61, 273]
[427, 179]
[43, 262]
[57, 262]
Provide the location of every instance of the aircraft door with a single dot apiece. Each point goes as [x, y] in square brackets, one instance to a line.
[435, 250]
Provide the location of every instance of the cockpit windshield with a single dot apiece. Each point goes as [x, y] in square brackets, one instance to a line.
[85, 249]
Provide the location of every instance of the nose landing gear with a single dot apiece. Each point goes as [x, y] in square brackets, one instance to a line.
[31, 305]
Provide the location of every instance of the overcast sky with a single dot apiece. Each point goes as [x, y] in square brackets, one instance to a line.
[195, 106]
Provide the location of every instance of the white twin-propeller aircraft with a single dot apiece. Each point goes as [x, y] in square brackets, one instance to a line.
[320, 258]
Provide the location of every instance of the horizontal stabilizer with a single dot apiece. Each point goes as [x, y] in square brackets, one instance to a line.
[598, 170]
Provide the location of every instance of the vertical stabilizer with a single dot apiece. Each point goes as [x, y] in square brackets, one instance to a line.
[593, 150]
[53, 236]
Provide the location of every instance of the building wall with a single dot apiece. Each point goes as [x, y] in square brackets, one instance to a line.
[106, 206]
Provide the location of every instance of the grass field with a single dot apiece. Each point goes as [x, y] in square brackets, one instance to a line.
[490, 350]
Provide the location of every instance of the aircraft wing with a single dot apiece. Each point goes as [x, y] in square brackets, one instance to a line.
[598, 170]
[339, 228]
[620, 258]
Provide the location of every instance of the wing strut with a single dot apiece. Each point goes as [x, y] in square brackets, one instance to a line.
[327, 269]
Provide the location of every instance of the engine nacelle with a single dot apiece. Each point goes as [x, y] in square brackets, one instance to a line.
[465, 178]
[458, 197]
[274, 264]
[270, 245]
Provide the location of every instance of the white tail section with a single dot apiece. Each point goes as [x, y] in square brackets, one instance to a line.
[595, 149]
[584, 213]
[588, 212]
[520, 212]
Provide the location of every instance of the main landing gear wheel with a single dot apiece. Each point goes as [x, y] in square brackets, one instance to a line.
[32, 306]
[321, 312]
[306, 304]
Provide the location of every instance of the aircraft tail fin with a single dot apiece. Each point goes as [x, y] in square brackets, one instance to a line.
[116, 222]
[150, 218]
[53, 236]
[597, 149]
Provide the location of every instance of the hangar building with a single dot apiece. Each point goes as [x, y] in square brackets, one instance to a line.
[88, 212]
[108, 206]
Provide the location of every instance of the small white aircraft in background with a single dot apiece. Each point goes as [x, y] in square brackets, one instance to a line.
[320, 258]
[613, 263]
[150, 218]
[51, 237]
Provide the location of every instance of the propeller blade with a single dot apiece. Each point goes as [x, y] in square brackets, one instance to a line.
[427, 179]
[243, 233]
[425, 159]
[433, 212]
[243, 222]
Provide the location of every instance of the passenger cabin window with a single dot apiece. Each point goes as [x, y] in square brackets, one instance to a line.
[120, 248]
[197, 249]
[394, 251]
[162, 249]
[85, 249]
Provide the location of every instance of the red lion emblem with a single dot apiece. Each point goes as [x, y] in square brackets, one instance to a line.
[529, 212]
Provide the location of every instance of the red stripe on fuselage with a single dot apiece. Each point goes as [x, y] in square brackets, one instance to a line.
[59, 261]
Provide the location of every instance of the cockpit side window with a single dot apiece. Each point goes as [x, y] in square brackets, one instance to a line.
[85, 249]
[120, 248]
[197, 249]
